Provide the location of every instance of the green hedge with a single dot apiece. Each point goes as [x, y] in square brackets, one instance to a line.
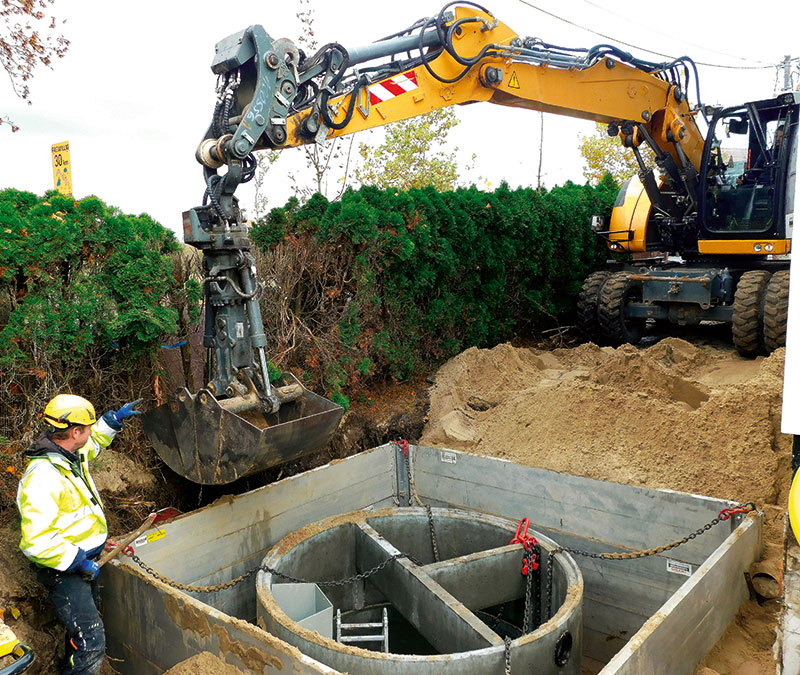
[428, 274]
[80, 274]
[87, 294]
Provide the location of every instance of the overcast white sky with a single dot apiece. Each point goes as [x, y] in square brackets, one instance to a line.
[134, 94]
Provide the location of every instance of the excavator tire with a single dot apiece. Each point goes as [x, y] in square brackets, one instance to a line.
[616, 292]
[748, 312]
[588, 323]
[776, 310]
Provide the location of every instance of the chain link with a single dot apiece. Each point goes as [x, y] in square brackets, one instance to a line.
[434, 541]
[526, 616]
[548, 593]
[507, 642]
[724, 515]
[497, 619]
[644, 553]
[266, 568]
[403, 445]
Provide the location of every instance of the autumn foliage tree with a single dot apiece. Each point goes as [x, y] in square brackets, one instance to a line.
[328, 161]
[412, 155]
[606, 154]
[28, 39]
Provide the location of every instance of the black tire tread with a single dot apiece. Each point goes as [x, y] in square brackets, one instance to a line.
[610, 311]
[748, 304]
[776, 310]
[588, 324]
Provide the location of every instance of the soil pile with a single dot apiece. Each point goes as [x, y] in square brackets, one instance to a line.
[698, 419]
[695, 419]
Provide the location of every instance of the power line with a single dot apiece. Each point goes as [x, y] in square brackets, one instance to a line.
[667, 35]
[639, 47]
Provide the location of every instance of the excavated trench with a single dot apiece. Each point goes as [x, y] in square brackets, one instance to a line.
[678, 397]
[342, 520]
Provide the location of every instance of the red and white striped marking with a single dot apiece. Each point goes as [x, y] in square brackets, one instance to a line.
[394, 86]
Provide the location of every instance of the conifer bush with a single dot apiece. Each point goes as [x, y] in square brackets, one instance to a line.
[384, 282]
[87, 294]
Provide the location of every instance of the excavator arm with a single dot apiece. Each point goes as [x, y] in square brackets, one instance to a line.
[272, 95]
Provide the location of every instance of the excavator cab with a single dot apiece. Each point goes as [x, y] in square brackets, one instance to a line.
[750, 152]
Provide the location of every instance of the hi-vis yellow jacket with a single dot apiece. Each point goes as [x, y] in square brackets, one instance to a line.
[60, 506]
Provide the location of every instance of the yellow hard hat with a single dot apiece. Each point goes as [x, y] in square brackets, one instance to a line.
[67, 409]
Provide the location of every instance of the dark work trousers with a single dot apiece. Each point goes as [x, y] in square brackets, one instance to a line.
[75, 602]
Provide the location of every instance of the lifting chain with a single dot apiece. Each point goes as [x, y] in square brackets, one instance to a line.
[507, 642]
[403, 445]
[265, 568]
[723, 515]
[531, 550]
[526, 617]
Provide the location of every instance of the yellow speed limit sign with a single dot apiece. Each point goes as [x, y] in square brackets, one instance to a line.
[62, 173]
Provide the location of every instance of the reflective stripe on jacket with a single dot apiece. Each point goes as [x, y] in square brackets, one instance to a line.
[59, 504]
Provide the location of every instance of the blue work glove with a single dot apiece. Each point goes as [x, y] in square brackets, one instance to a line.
[89, 569]
[115, 418]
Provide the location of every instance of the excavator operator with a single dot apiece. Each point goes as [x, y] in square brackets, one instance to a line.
[63, 525]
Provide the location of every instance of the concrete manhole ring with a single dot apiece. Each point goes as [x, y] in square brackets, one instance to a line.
[451, 615]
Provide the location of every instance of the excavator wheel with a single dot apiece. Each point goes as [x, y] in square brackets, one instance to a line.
[776, 310]
[588, 324]
[616, 292]
[748, 312]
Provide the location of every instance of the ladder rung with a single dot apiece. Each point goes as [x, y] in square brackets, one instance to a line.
[382, 637]
[362, 625]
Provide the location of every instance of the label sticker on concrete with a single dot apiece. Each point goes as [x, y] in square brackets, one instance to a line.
[682, 568]
[449, 457]
[140, 541]
[155, 536]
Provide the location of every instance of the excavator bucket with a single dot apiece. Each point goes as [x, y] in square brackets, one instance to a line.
[214, 442]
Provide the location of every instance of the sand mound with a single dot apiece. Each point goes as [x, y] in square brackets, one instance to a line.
[675, 416]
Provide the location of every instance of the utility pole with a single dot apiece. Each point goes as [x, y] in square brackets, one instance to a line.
[787, 75]
[541, 149]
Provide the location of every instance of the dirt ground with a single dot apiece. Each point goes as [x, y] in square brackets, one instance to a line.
[686, 416]
[694, 418]
[203, 664]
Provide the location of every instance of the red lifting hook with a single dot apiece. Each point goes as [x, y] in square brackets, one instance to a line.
[528, 543]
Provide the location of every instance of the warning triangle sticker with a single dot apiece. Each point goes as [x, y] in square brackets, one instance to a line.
[513, 83]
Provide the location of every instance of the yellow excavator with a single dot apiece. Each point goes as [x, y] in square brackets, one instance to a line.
[708, 226]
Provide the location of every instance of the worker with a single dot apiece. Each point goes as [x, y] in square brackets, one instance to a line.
[63, 525]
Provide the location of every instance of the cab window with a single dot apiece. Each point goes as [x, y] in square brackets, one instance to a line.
[741, 174]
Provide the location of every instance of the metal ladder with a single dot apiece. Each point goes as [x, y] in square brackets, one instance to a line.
[383, 636]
